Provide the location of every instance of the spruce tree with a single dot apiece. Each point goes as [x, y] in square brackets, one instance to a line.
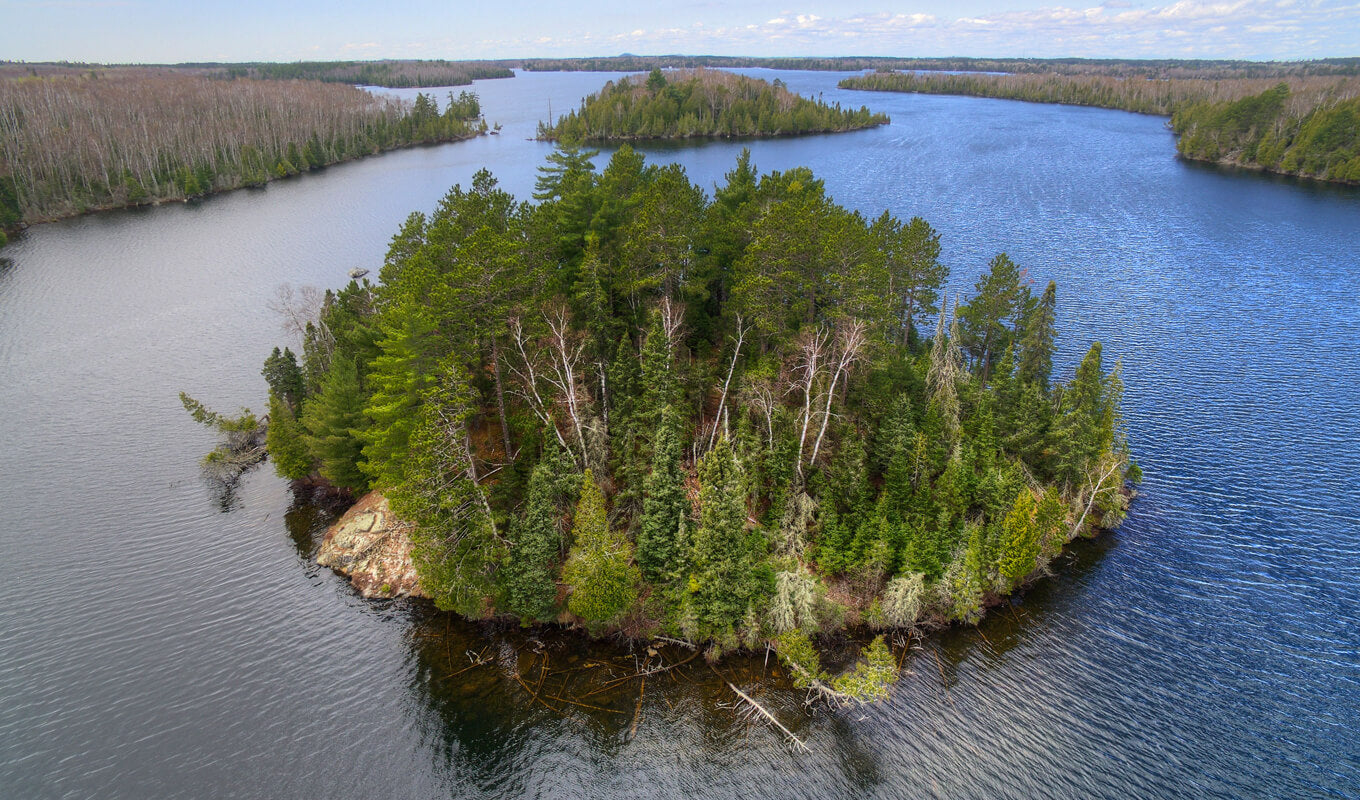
[660, 550]
[730, 574]
[1038, 340]
[284, 377]
[526, 575]
[600, 570]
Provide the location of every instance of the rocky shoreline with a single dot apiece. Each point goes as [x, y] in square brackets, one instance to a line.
[370, 546]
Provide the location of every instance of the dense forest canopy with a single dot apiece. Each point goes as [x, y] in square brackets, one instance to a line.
[701, 102]
[742, 418]
[79, 142]
[1308, 126]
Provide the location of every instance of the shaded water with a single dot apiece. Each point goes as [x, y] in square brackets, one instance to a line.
[159, 643]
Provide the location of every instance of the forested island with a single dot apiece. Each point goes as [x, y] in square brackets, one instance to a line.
[76, 143]
[701, 102]
[1306, 124]
[746, 420]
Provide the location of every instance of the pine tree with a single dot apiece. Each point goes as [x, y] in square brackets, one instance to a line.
[660, 551]
[600, 570]
[333, 419]
[287, 447]
[999, 300]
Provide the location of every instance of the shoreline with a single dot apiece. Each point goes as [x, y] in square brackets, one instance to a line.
[1222, 162]
[390, 550]
[27, 223]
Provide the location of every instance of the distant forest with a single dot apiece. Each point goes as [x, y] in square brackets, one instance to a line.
[1305, 126]
[388, 73]
[70, 144]
[701, 102]
[1147, 68]
[427, 73]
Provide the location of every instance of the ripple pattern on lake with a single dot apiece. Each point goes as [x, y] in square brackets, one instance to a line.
[161, 643]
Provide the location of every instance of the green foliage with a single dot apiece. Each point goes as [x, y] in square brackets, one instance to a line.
[509, 346]
[600, 571]
[730, 574]
[1021, 541]
[527, 573]
[700, 103]
[285, 377]
[661, 550]
[453, 541]
[285, 441]
[869, 680]
[334, 420]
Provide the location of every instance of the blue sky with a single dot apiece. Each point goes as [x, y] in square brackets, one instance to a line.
[249, 30]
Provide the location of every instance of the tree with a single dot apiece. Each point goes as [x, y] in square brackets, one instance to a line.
[284, 376]
[333, 420]
[1037, 341]
[660, 548]
[985, 319]
[1021, 541]
[600, 571]
[287, 447]
[729, 574]
[527, 575]
[915, 274]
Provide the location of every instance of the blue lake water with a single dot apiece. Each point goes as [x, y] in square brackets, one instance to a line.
[158, 643]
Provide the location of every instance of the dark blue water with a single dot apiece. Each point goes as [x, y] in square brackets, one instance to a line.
[161, 642]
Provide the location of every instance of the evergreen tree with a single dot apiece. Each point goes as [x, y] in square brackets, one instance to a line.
[730, 573]
[527, 574]
[284, 376]
[333, 419]
[1021, 541]
[660, 550]
[287, 447]
[600, 571]
[399, 377]
[988, 318]
[1038, 340]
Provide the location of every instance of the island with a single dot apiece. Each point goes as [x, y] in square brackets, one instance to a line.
[701, 103]
[1298, 118]
[746, 421]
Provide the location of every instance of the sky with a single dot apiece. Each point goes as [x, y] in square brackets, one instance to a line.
[169, 31]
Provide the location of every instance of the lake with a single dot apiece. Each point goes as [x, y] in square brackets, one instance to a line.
[164, 641]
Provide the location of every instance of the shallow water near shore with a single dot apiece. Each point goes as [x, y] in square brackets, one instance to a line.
[162, 641]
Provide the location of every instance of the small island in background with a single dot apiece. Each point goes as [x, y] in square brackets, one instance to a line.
[740, 422]
[701, 102]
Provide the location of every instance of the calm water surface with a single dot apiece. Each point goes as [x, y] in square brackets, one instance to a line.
[163, 642]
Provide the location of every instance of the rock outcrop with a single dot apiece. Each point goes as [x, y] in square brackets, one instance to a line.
[372, 547]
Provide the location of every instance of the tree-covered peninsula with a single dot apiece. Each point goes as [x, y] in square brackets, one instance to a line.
[734, 420]
[74, 143]
[1307, 124]
[697, 103]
